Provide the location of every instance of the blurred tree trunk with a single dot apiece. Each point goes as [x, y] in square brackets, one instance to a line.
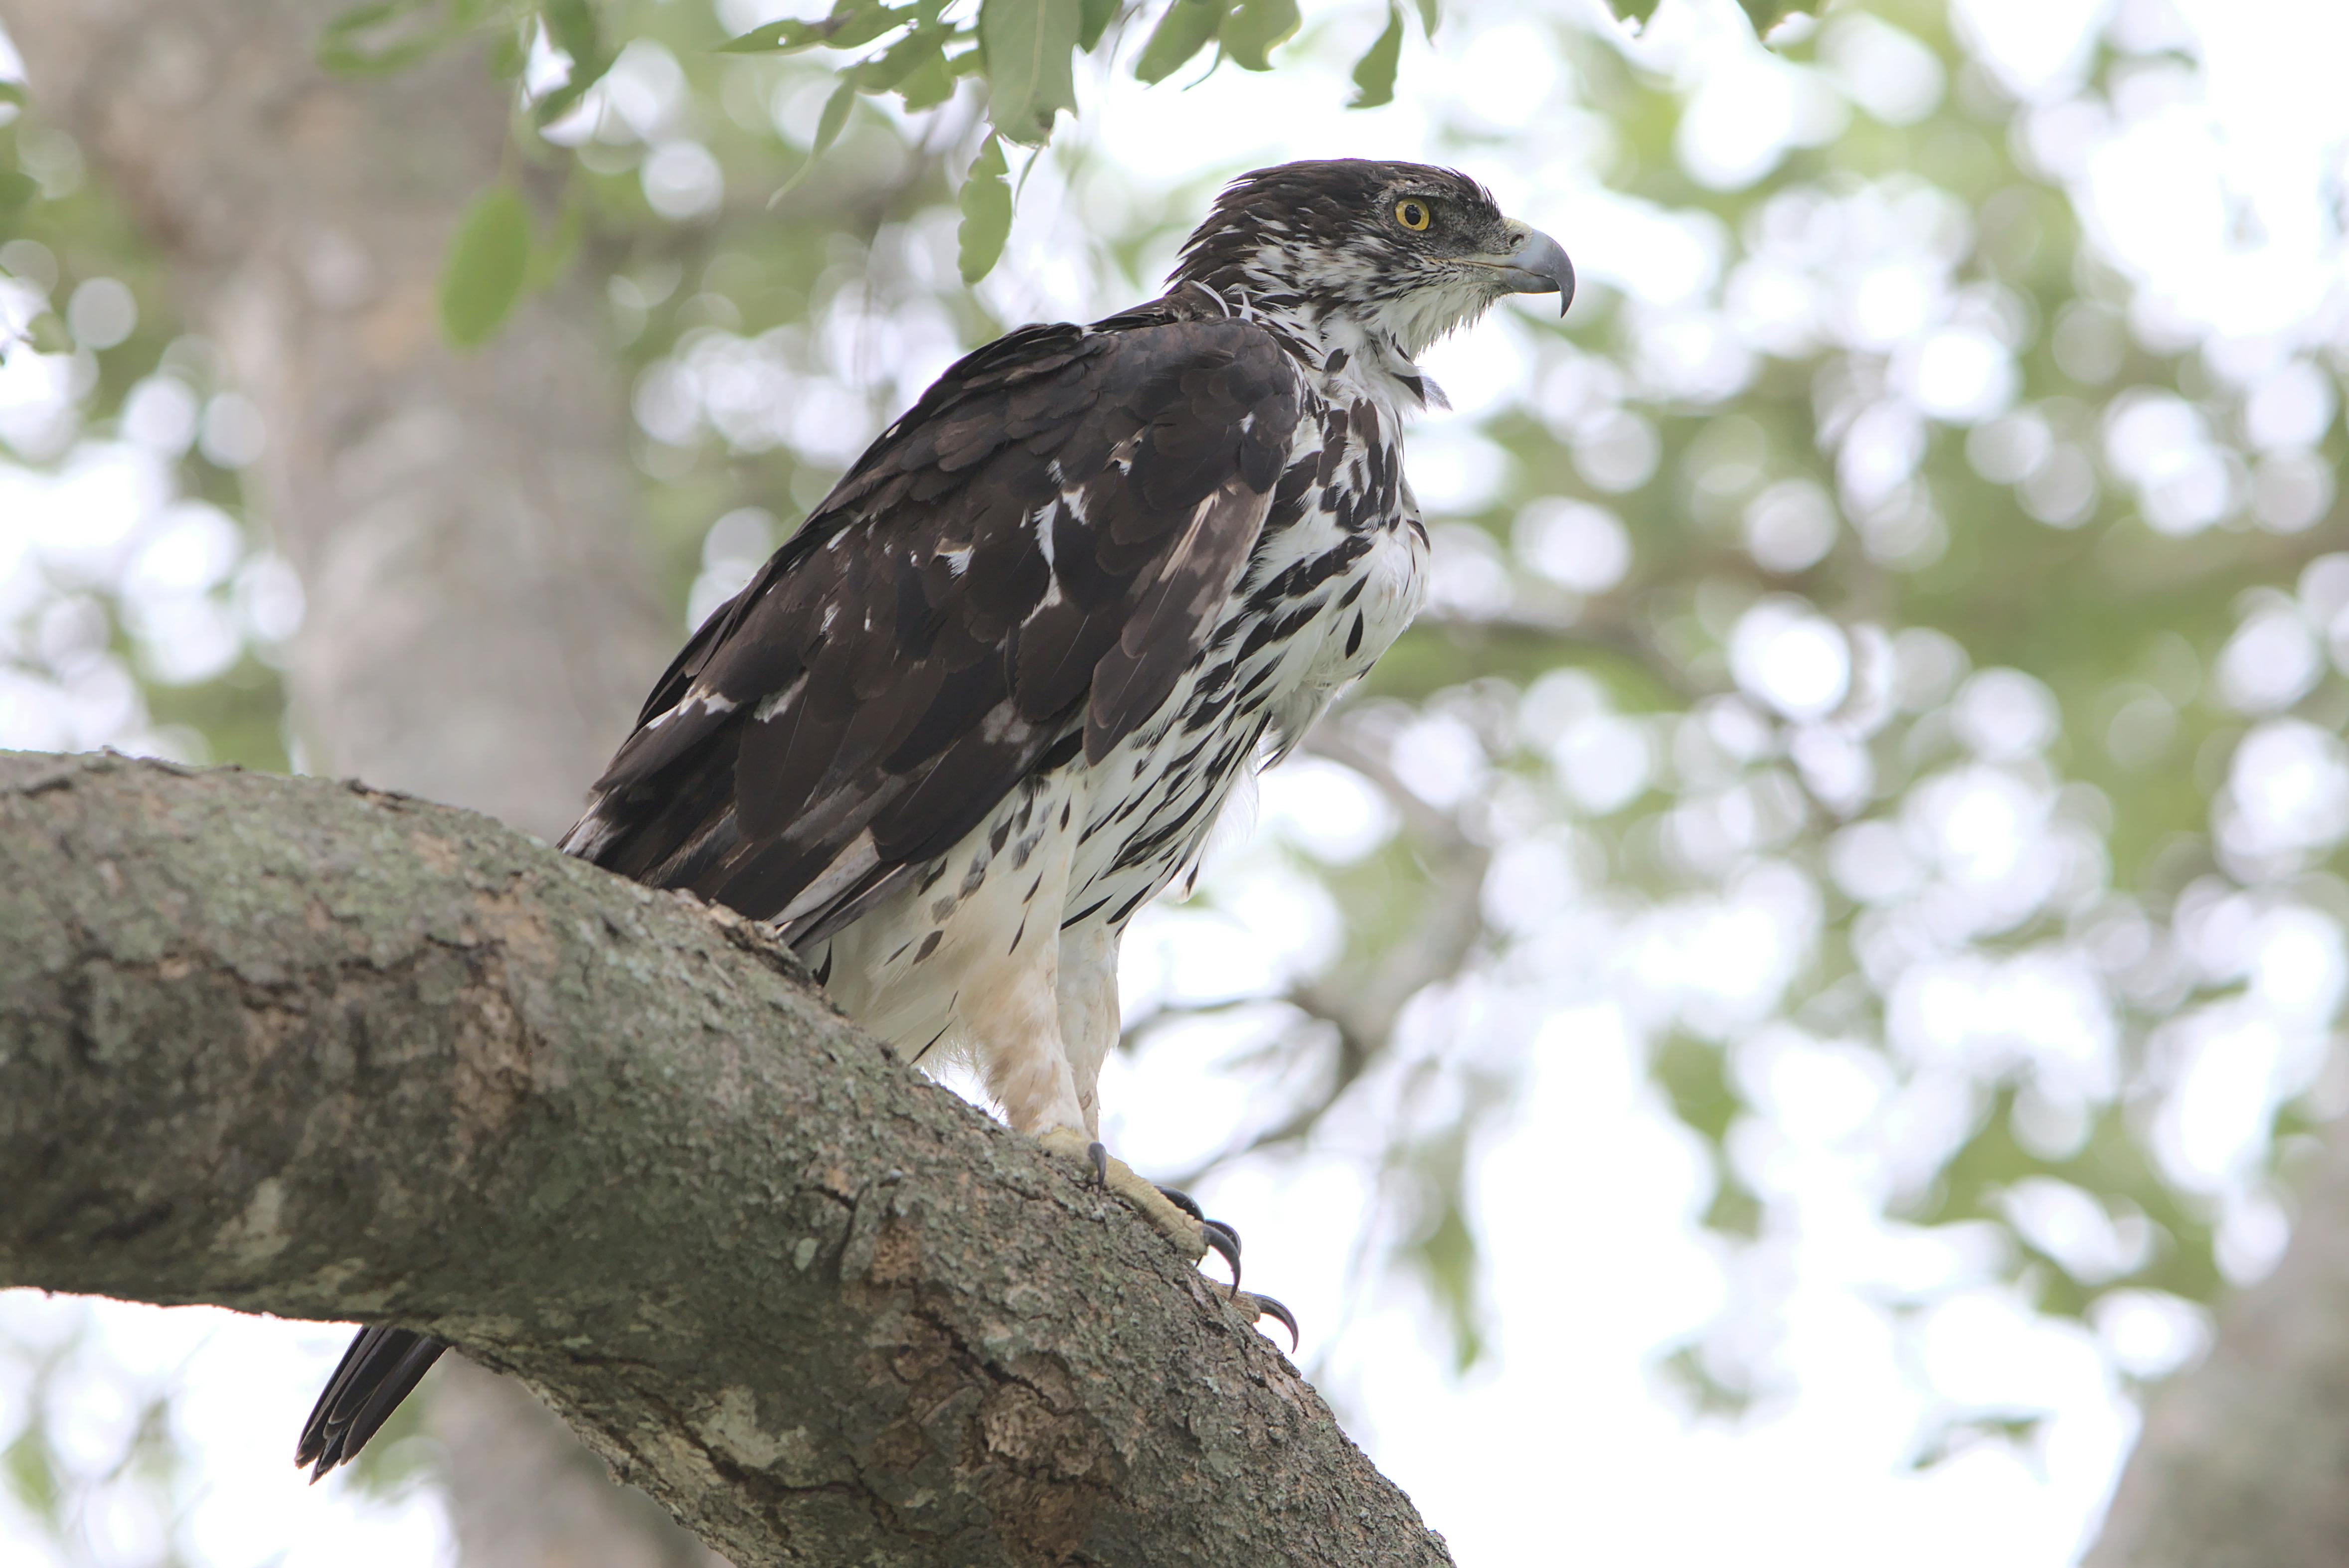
[464, 526]
[479, 628]
[525, 1491]
[2244, 1460]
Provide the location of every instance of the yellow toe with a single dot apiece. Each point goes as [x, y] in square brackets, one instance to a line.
[1189, 1236]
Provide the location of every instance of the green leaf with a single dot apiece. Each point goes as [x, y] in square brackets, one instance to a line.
[828, 127]
[1256, 27]
[16, 188]
[1429, 16]
[1636, 12]
[929, 84]
[853, 23]
[13, 92]
[783, 37]
[986, 203]
[1097, 16]
[834, 119]
[373, 39]
[1374, 72]
[1189, 26]
[1029, 44]
[909, 54]
[487, 264]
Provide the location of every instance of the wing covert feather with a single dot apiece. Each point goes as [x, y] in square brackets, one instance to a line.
[1023, 565]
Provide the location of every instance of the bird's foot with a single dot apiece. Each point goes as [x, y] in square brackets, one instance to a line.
[1221, 1237]
[1173, 1213]
[1256, 1308]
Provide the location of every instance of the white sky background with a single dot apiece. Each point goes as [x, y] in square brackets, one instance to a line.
[2208, 190]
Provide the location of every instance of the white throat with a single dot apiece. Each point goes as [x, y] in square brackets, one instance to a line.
[1353, 358]
[1374, 361]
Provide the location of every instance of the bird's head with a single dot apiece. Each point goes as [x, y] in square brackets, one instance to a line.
[1404, 251]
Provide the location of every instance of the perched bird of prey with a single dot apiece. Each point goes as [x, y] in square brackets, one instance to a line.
[988, 701]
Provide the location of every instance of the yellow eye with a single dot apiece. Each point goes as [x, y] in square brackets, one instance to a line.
[1414, 215]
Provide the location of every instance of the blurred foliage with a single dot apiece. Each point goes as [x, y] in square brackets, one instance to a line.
[88, 1505]
[1768, 472]
[185, 667]
[1021, 49]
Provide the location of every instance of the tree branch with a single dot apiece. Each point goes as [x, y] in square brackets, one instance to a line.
[294, 1046]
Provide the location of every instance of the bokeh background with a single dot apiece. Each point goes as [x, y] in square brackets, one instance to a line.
[1778, 1011]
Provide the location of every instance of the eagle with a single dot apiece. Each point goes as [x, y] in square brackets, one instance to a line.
[989, 699]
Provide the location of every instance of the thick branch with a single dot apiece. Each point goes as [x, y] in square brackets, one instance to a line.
[292, 1046]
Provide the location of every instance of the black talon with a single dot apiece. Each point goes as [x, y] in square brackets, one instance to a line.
[1098, 1152]
[1184, 1202]
[1265, 1306]
[1225, 1242]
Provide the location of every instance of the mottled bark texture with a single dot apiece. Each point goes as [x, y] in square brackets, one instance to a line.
[293, 1047]
[464, 525]
[2244, 1460]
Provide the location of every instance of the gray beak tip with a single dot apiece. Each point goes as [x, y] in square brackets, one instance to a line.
[1540, 266]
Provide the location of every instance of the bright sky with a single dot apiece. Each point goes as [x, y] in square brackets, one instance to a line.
[2211, 188]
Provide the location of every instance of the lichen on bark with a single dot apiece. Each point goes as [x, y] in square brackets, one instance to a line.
[295, 1046]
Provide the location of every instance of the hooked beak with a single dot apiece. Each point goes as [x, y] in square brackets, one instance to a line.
[1538, 265]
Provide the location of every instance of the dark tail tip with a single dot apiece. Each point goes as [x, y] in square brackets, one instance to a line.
[381, 1368]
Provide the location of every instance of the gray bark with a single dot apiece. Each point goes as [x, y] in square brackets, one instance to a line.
[2244, 1460]
[294, 1046]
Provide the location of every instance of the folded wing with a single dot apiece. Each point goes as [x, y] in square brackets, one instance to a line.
[1017, 573]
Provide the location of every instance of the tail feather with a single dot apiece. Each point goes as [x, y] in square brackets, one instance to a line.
[381, 1368]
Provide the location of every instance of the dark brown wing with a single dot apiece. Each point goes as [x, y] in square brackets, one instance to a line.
[1018, 569]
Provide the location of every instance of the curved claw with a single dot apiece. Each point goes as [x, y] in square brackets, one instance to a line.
[1225, 1242]
[1263, 1306]
[1183, 1201]
[1098, 1152]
